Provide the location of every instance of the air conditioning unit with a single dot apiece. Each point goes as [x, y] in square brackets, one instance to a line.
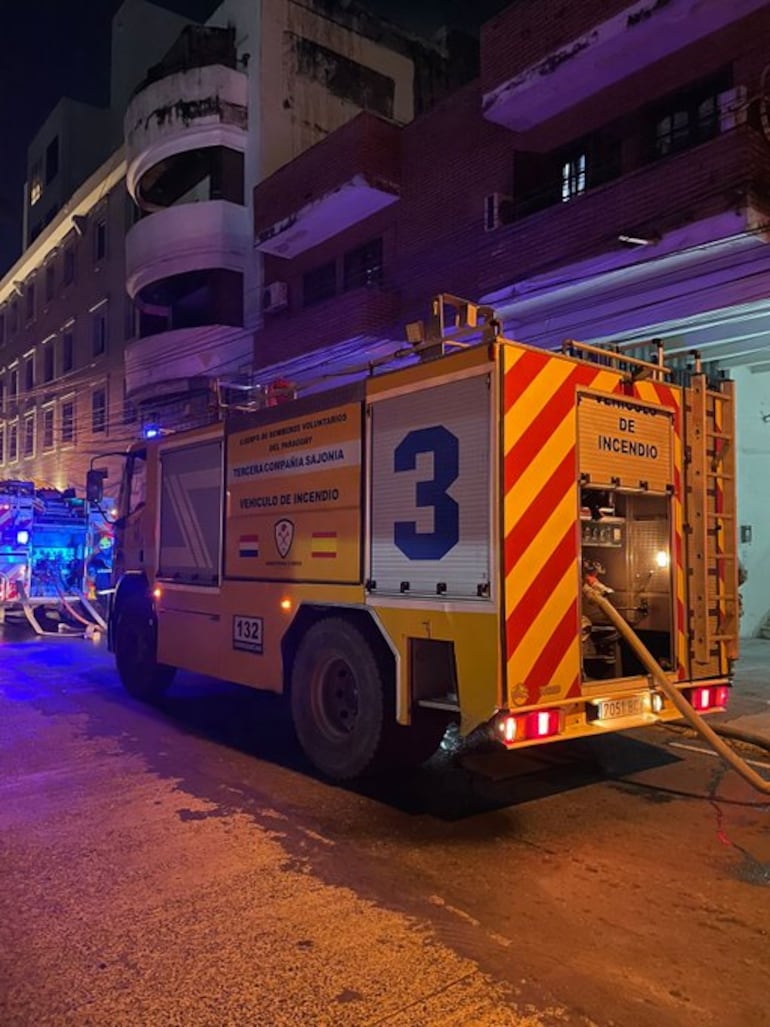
[732, 108]
[498, 210]
[275, 296]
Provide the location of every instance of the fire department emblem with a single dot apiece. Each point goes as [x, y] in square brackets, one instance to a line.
[284, 536]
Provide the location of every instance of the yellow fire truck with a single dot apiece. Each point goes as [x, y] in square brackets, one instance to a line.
[413, 548]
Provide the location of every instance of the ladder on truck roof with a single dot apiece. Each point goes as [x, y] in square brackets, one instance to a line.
[710, 516]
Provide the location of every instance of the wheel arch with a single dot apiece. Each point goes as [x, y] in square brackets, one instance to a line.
[359, 617]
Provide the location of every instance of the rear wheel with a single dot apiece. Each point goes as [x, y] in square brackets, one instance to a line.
[136, 652]
[340, 700]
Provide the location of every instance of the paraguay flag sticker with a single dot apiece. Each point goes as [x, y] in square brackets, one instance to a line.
[248, 545]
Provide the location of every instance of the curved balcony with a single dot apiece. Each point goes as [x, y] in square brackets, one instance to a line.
[193, 109]
[188, 237]
[166, 363]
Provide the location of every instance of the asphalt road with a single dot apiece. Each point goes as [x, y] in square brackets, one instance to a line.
[181, 865]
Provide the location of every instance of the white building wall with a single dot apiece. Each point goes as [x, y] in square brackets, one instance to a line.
[753, 431]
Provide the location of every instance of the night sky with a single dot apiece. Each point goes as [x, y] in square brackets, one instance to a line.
[53, 48]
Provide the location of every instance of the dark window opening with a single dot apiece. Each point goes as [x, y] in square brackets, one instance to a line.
[13, 442]
[319, 284]
[67, 352]
[48, 363]
[99, 329]
[68, 421]
[50, 282]
[29, 374]
[363, 266]
[100, 240]
[542, 180]
[14, 318]
[29, 301]
[687, 117]
[2, 328]
[98, 410]
[345, 78]
[48, 428]
[52, 160]
[29, 436]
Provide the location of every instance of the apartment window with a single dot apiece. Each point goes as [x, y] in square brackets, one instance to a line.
[363, 266]
[2, 389]
[129, 408]
[52, 160]
[29, 373]
[573, 176]
[14, 384]
[68, 420]
[29, 435]
[48, 415]
[2, 327]
[100, 240]
[35, 183]
[319, 284]
[2, 443]
[99, 331]
[50, 281]
[48, 370]
[13, 442]
[687, 117]
[68, 274]
[67, 351]
[99, 410]
[14, 318]
[29, 301]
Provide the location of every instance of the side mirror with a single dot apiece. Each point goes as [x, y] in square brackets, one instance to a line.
[95, 485]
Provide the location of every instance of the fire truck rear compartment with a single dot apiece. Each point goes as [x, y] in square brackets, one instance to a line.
[626, 547]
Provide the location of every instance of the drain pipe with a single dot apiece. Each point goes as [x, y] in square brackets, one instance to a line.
[673, 694]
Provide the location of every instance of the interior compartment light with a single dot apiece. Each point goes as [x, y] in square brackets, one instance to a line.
[661, 559]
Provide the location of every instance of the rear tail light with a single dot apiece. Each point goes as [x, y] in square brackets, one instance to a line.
[708, 697]
[528, 727]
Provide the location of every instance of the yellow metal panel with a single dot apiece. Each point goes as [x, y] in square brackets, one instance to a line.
[623, 442]
[476, 639]
[294, 498]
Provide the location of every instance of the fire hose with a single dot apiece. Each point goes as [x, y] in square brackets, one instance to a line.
[675, 697]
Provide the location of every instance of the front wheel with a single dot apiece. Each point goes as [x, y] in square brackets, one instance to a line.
[136, 652]
[339, 693]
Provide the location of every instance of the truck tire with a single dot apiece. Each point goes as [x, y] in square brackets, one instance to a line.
[136, 651]
[339, 700]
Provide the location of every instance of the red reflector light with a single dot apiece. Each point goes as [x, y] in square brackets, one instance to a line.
[708, 697]
[521, 727]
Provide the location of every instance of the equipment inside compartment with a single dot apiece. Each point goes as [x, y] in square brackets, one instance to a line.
[626, 555]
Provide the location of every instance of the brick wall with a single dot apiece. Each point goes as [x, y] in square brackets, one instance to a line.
[366, 145]
[531, 29]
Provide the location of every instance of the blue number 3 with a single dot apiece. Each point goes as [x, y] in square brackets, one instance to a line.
[430, 545]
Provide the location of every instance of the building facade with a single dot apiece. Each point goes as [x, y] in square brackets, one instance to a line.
[606, 178]
[229, 104]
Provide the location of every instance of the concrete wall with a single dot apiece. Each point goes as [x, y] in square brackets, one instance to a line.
[753, 404]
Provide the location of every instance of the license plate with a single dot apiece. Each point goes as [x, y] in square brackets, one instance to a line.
[613, 709]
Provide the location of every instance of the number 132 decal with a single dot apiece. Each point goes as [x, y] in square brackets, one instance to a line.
[445, 447]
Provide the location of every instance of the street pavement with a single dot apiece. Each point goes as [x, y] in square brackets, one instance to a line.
[181, 865]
